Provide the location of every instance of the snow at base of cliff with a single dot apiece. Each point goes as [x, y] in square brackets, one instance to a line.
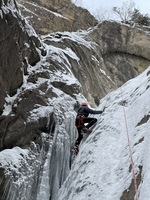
[102, 169]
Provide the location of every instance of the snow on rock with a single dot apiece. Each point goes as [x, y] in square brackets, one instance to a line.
[47, 10]
[28, 175]
[102, 169]
[79, 36]
[21, 169]
[12, 157]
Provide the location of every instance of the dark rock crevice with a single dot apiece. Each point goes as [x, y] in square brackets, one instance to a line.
[130, 193]
[143, 120]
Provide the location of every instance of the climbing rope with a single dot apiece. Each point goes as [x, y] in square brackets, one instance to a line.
[130, 149]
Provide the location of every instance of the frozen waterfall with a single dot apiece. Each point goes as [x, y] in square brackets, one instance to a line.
[37, 173]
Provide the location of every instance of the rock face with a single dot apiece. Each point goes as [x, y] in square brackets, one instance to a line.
[114, 47]
[51, 16]
[121, 48]
[44, 79]
[17, 50]
[106, 56]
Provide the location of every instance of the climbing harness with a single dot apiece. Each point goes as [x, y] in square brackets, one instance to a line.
[80, 121]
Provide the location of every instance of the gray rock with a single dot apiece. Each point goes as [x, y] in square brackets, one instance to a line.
[17, 50]
[105, 58]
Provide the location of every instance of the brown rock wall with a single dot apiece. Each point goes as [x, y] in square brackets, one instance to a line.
[52, 16]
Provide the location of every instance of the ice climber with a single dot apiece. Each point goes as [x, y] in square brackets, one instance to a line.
[82, 119]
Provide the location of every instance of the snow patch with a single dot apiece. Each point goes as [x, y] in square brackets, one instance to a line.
[12, 158]
[103, 72]
[102, 168]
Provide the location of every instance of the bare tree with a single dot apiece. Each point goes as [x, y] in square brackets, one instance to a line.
[102, 14]
[126, 11]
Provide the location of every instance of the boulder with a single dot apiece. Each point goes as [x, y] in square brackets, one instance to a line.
[51, 16]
